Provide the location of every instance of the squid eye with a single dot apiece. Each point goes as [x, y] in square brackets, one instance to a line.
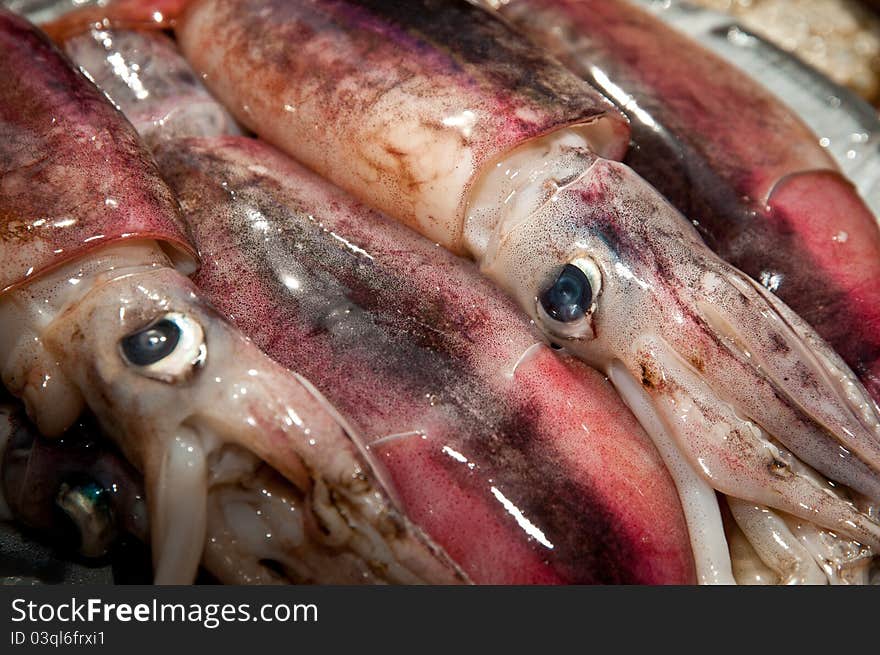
[151, 344]
[567, 303]
[167, 349]
[570, 296]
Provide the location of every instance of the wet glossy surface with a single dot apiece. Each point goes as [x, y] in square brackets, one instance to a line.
[73, 173]
[412, 99]
[526, 469]
[110, 14]
[844, 124]
[146, 77]
[33, 470]
[492, 446]
[211, 397]
[720, 371]
[759, 186]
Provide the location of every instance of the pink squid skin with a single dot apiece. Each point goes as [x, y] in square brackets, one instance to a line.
[60, 139]
[764, 194]
[408, 106]
[141, 71]
[454, 519]
[525, 467]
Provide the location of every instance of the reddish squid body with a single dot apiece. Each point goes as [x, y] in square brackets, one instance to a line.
[439, 115]
[94, 314]
[525, 468]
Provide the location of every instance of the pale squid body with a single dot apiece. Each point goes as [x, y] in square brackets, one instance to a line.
[439, 115]
[145, 76]
[758, 184]
[768, 546]
[94, 313]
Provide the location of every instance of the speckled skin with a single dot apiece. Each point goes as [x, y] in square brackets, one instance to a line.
[396, 81]
[73, 173]
[69, 151]
[408, 340]
[763, 192]
[238, 398]
[719, 371]
[696, 332]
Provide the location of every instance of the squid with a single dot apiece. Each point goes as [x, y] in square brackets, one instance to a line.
[140, 71]
[40, 11]
[781, 549]
[558, 519]
[441, 116]
[766, 196]
[525, 468]
[63, 19]
[846, 125]
[144, 75]
[96, 311]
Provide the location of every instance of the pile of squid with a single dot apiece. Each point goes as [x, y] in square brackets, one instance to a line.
[427, 291]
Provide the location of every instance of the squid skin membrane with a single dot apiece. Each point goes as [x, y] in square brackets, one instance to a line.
[422, 106]
[764, 194]
[61, 111]
[525, 467]
[141, 71]
[145, 76]
[95, 314]
[168, 92]
[436, 114]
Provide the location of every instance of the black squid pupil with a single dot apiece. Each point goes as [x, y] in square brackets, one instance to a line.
[152, 344]
[569, 298]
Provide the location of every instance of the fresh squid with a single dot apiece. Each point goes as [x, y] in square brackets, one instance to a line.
[846, 125]
[145, 76]
[439, 115]
[41, 11]
[763, 192]
[141, 71]
[524, 468]
[473, 395]
[781, 549]
[94, 313]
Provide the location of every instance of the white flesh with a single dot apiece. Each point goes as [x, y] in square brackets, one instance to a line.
[774, 543]
[698, 499]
